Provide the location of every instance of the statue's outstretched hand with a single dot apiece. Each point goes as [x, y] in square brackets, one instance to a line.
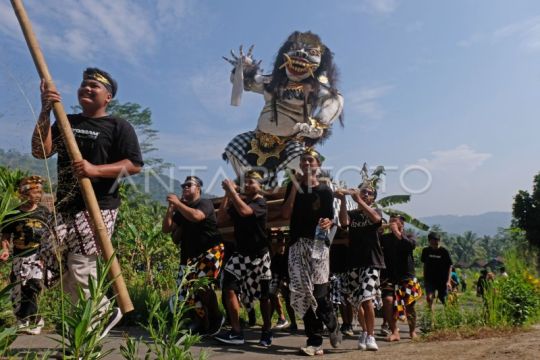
[247, 59]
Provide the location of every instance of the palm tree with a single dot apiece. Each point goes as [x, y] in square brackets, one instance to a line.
[466, 248]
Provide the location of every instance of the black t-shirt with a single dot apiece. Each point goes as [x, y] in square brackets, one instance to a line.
[310, 205]
[104, 140]
[27, 233]
[279, 265]
[365, 248]
[339, 258]
[197, 237]
[398, 257]
[250, 231]
[437, 264]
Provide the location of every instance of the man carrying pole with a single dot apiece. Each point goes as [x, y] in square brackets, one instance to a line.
[110, 150]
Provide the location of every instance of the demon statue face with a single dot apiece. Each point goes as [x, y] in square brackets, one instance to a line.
[303, 57]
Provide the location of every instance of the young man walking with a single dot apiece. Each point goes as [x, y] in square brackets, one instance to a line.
[309, 206]
[366, 259]
[399, 303]
[437, 269]
[247, 273]
[193, 223]
[110, 151]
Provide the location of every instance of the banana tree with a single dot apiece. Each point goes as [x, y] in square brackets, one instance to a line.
[386, 202]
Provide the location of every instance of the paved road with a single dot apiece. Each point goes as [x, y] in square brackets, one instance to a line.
[285, 345]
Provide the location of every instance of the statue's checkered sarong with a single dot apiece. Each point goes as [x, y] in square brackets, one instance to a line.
[240, 146]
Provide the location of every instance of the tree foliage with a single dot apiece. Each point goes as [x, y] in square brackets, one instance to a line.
[526, 212]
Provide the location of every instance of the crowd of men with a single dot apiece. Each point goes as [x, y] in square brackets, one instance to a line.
[375, 268]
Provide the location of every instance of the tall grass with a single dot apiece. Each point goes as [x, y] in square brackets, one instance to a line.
[166, 326]
[507, 302]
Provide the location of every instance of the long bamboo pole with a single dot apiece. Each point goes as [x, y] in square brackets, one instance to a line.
[119, 285]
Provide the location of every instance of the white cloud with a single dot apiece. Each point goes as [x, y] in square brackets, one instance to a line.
[379, 6]
[364, 102]
[8, 21]
[527, 32]
[169, 11]
[462, 159]
[85, 30]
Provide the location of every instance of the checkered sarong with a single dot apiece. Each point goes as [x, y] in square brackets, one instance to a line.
[305, 272]
[249, 271]
[208, 264]
[240, 146]
[363, 285]
[73, 234]
[23, 269]
[408, 292]
[337, 282]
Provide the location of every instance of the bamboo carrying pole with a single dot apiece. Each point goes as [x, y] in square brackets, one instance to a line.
[119, 285]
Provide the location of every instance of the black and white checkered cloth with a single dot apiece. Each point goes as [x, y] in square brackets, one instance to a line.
[240, 146]
[337, 281]
[351, 205]
[362, 285]
[249, 271]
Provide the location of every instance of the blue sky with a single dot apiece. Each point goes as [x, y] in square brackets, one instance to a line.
[451, 87]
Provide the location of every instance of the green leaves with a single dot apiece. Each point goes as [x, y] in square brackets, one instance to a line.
[168, 337]
[526, 212]
[393, 200]
[7, 335]
[408, 218]
[85, 320]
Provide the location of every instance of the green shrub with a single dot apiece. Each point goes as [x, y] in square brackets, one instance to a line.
[520, 300]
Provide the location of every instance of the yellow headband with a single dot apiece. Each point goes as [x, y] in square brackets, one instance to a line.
[98, 77]
[314, 153]
[253, 175]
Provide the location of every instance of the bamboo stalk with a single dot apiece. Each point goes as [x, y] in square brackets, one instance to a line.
[103, 240]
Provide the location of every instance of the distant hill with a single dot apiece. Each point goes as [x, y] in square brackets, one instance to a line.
[159, 186]
[16, 160]
[483, 224]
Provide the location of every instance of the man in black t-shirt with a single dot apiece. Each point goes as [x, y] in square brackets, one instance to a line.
[26, 230]
[193, 224]
[309, 206]
[402, 288]
[247, 273]
[437, 269]
[110, 150]
[366, 258]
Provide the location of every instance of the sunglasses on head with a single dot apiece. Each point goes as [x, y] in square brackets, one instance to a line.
[187, 186]
[366, 192]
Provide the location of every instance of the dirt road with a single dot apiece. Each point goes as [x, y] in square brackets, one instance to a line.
[522, 346]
